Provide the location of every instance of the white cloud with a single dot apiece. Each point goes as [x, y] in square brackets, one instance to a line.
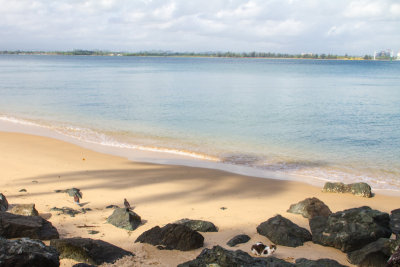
[235, 25]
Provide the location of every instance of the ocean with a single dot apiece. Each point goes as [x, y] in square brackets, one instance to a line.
[326, 120]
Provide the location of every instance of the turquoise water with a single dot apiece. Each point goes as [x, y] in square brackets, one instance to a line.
[335, 120]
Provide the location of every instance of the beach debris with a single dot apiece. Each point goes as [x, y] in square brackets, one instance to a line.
[84, 210]
[22, 190]
[27, 252]
[218, 256]
[35, 182]
[198, 225]
[259, 249]
[284, 232]
[239, 239]
[66, 211]
[93, 232]
[172, 236]
[350, 229]
[125, 219]
[112, 207]
[373, 254]
[357, 189]
[395, 222]
[87, 250]
[3, 202]
[310, 207]
[24, 209]
[127, 205]
[223, 208]
[35, 227]
[86, 226]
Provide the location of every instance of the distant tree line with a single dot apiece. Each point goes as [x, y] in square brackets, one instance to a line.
[80, 52]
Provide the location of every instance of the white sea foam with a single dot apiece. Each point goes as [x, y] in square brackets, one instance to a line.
[310, 172]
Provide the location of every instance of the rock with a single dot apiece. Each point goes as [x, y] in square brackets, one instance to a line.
[358, 189]
[172, 236]
[90, 251]
[3, 203]
[198, 225]
[350, 229]
[27, 252]
[239, 239]
[122, 218]
[22, 190]
[373, 254]
[35, 227]
[394, 259]
[317, 263]
[282, 231]
[310, 207]
[24, 209]
[395, 222]
[220, 257]
[65, 210]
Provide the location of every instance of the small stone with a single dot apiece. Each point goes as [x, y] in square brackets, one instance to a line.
[93, 232]
[22, 190]
[122, 218]
[112, 207]
[239, 239]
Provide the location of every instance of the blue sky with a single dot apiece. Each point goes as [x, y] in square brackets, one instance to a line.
[355, 27]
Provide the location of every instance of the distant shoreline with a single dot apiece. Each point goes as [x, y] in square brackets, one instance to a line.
[245, 55]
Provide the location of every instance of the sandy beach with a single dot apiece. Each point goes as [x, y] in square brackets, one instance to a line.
[160, 194]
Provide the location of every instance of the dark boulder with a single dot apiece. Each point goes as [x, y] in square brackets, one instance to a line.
[81, 264]
[27, 252]
[89, 251]
[373, 254]
[24, 209]
[172, 236]
[239, 239]
[318, 263]
[218, 256]
[198, 225]
[395, 222]
[123, 218]
[35, 227]
[282, 231]
[310, 207]
[358, 189]
[350, 229]
[3, 203]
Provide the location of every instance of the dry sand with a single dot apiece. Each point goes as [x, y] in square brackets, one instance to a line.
[161, 194]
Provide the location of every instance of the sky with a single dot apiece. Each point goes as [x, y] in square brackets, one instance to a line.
[355, 27]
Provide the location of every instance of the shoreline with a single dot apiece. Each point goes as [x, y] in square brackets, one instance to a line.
[161, 194]
[167, 156]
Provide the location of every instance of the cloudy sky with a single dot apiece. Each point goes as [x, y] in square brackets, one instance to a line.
[355, 27]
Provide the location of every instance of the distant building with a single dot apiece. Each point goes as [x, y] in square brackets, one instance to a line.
[384, 54]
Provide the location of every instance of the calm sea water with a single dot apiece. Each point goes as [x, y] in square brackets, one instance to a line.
[335, 120]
